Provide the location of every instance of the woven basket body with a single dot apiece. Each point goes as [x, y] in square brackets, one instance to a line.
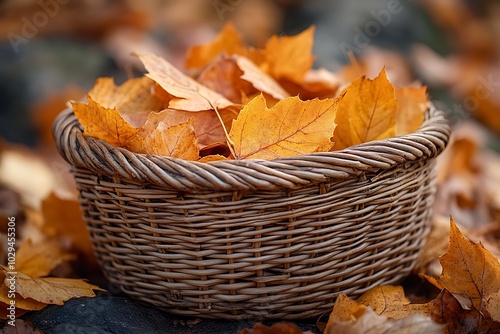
[255, 239]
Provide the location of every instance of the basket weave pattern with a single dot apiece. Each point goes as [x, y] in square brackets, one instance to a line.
[256, 239]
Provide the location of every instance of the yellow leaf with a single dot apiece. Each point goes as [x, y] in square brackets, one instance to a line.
[176, 141]
[103, 123]
[291, 127]
[412, 106]
[21, 303]
[189, 94]
[52, 290]
[40, 259]
[469, 269]
[290, 57]
[367, 112]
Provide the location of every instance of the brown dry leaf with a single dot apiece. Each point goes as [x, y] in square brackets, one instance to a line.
[38, 260]
[188, 94]
[63, 220]
[52, 290]
[459, 321]
[412, 107]
[176, 141]
[103, 123]
[134, 99]
[207, 126]
[224, 77]
[290, 57]
[371, 322]
[469, 269]
[291, 127]
[367, 112]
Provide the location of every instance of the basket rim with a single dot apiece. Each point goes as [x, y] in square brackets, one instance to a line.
[252, 174]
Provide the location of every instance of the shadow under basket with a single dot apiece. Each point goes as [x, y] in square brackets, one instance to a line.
[253, 238]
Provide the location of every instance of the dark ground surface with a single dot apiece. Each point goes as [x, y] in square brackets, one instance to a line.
[119, 315]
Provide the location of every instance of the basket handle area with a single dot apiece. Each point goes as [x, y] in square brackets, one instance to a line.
[284, 173]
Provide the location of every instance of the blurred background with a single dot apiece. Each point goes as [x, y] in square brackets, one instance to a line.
[54, 50]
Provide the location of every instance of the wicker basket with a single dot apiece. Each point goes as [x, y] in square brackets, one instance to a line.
[253, 238]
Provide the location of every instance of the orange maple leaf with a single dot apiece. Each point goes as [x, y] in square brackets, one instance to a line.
[291, 127]
[367, 112]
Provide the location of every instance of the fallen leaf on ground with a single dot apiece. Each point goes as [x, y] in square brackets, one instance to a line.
[38, 260]
[27, 304]
[470, 269]
[51, 290]
[63, 221]
[371, 322]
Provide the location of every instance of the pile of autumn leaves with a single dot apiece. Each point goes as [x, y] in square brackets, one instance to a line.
[245, 103]
[26, 286]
